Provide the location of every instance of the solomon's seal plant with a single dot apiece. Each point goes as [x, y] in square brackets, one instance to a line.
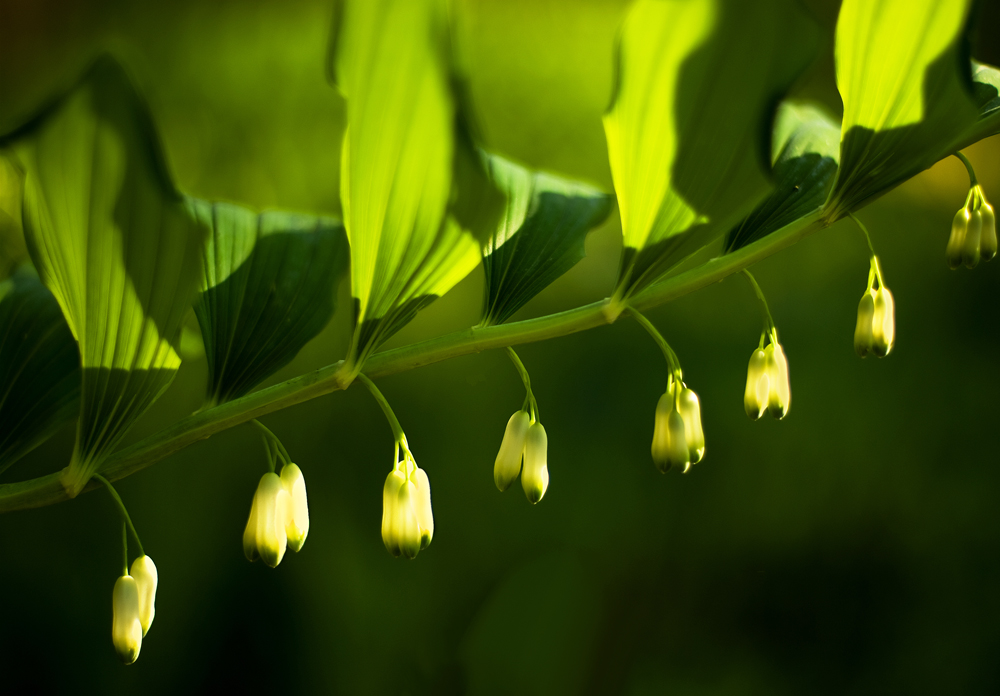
[102, 257]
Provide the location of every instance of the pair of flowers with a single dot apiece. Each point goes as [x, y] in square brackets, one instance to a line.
[524, 439]
[279, 516]
[768, 387]
[133, 607]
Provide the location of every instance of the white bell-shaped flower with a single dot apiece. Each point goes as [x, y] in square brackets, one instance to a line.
[780, 393]
[535, 477]
[144, 572]
[126, 626]
[883, 322]
[508, 462]
[758, 388]
[297, 524]
[265, 535]
[694, 436]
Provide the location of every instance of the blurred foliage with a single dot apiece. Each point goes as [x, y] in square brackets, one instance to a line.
[849, 548]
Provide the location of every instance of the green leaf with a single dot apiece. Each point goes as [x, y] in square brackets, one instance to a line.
[805, 151]
[688, 129]
[268, 287]
[398, 158]
[540, 236]
[905, 85]
[39, 366]
[116, 245]
[986, 95]
[12, 249]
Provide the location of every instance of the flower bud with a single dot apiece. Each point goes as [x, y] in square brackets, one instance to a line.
[973, 236]
[535, 477]
[297, 524]
[956, 242]
[670, 448]
[863, 330]
[126, 628]
[144, 572]
[693, 434]
[988, 241]
[264, 535]
[883, 322]
[508, 463]
[390, 494]
[780, 393]
[758, 386]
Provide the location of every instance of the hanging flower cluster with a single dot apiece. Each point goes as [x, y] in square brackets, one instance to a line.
[407, 518]
[279, 513]
[974, 228]
[524, 439]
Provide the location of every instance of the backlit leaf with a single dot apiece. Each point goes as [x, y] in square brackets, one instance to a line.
[689, 126]
[392, 65]
[39, 366]
[805, 150]
[116, 245]
[268, 287]
[12, 249]
[905, 87]
[540, 236]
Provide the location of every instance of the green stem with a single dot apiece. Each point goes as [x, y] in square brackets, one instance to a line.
[769, 326]
[125, 517]
[973, 181]
[280, 448]
[673, 363]
[871, 248]
[124, 549]
[46, 490]
[521, 370]
[397, 430]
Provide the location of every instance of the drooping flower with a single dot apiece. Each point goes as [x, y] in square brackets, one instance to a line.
[407, 516]
[758, 388]
[144, 572]
[265, 534]
[535, 477]
[694, 436]
[780, 392]
[875, 331]
[508, 462]
[126, 625]
[297, 524]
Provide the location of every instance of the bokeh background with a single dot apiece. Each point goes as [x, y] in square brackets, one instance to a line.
[852, 548]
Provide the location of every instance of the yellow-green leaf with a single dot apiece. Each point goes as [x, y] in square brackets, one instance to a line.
[688, 129]
[39, 366]
[540, 236]
[12, 249]
[268, 287]
[391, 63]
[906, 91]
[117, 246]
[805, 151]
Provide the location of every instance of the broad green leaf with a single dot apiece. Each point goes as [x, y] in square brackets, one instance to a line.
[39, 366]
[268, 287]
[688, 129]
[391, 64]
[986, 95]
[540, 236]
[12, 249]
[805, 151]
[116, 245]
[906, 91]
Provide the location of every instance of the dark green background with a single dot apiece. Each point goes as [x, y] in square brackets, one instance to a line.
[851, 548]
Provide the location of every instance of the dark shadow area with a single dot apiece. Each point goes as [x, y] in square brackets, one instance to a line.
[39, 366]
[281, 296]
[549, 243]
